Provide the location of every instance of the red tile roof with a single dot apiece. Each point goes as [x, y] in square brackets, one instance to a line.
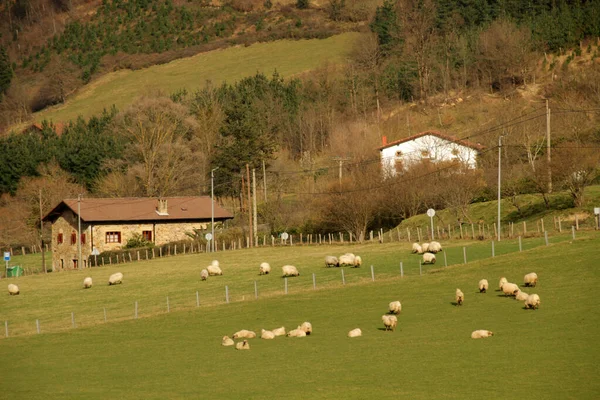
[449, 138]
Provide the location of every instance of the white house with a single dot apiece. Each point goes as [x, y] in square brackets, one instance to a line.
[432, 145]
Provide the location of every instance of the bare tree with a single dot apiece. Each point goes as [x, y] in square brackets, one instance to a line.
[575, 167]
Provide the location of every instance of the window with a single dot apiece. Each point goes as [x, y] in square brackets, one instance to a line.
[73, 238]
[113, 237]
[147, 235]
[59, 238]
[83, 238]
[424, 153]
[398, 153]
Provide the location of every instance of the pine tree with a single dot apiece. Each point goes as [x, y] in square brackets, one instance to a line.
[6, 71]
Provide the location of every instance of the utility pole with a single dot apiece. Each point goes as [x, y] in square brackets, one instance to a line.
[254, 222]
[79, 261]
[42, 235]
[499, 181]
[249, 204]
[264, 179]
[212, 208]
[548, 149]
[340, 161]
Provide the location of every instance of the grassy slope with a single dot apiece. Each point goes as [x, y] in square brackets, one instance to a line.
[548, 353]
[122, 87]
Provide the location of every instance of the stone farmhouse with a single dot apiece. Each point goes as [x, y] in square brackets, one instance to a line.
[431, 145]
[107, 224]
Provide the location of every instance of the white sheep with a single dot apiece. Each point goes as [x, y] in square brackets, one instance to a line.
[395, 307]
[13, 289]
[390, 322]
[289, 270]
[428, 258]
[331, 261]
[434, 247]
[298, 332]
[482, 333]
[510, 289]
[357, 261]
[87, 283]
[266, 334]
[533, 301]
[417, 249]
[502, 282]
[244, 334]
[355, 333]
[204, 274]
[521, 296]
[227, 341]
[483, 286]
[264, 269]
[279, 331]
[425, 247]
[215, 263]
[459, 297]
[347, 260]
[242, 345]
[530, 279]
[306, 327]
[214, 270]
[115, 278]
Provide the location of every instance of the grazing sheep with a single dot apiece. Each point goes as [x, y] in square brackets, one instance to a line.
[417, 249]
[227, 341]
[331, 261]
[502, 282]
[395, 307]
[460, 297]
[267, 334]
[298, 332]
[264, 269]
[242, 345]
[115, 278]
[483, 286]
[279, 331]
[510, 289]
[390, 322]
[482, 333]
[306, 327]
[434, 247]
[533, 301]
[357, 262]
[244, 334]
[521, 296]
[214, 270]
[355, 333]
[290, 270]
[87, 283]
[530, 279]
[204, 274]
[425, 247]
[347, 260]
[13, 289]
[428, 258]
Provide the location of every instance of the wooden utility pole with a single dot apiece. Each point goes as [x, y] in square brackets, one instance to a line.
[249, 203]
[548, 149]
[264, 179]
[340, 161]
[42, 235]
[255, 219]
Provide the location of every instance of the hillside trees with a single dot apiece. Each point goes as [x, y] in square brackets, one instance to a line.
[6, 71]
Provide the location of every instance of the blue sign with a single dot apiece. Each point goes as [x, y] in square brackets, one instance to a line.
[7, 256]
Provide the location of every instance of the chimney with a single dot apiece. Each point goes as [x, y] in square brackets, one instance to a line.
[161, 209]
[384, 140]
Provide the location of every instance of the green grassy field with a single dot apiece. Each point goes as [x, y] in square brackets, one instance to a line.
[548, 353]
[122, 87]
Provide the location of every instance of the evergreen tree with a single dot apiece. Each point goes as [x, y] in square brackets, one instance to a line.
[6, 71]
[387, 28]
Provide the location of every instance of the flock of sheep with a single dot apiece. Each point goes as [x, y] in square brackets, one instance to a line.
[114, 279]
[428, 251]
[510, 289]
[301, 331]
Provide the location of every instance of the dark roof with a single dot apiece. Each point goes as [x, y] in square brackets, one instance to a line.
[140, 209]
[453, 139]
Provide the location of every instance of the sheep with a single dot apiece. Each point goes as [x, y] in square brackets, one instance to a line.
[460, 297]
[510, 289]
[331, 261]
[204, 274]
[115, 278]
[264, 269]
[502, 282]
[289, 270]
[428, 258]
[417, 249]
[298, 332]
[482, 333]
[215, 263]
[267, 334]
[227, 341]
[390, 322]
[395, 307]
[244, 334]
[425, 247]
[214, 270]
[357, 262]
[434, 247]
[483, 286]
[521, 296]
[306, 327]
[279, 331]
[87, 283]
[533, 301]
[530, 279]
[13, 289]
[355, 333]
[242, 345]
[347, 260]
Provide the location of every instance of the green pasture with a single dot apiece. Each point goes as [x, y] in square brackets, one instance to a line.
[288, 57]
[550, 353]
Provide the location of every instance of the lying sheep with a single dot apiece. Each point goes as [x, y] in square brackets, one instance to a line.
[460, 297]
[434, 247]
[390, 322]
[204, 274]
[264, 269]
[279, 331]
[227, 341]
[502, 282]
[355, 333]
[331, 261]
[13, 289]
[242, 345]
[306, 327]
[87, 283]
[266, 334]
[425, 247]
[428, 258]
[510, 289]
[482, 333]
[417, 249]
[483, 286]
[115, 278]
[521, 296]
[244, 334]
[530, 279]
[214, 270]
[289, 270]
[298, 332]
[533, 301]
[395, 307]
